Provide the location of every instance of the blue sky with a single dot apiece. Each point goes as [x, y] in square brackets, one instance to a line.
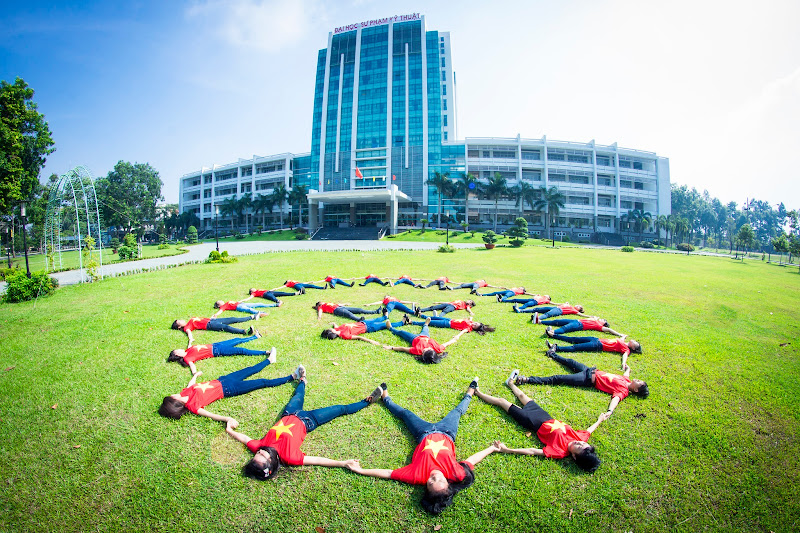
[713, 85]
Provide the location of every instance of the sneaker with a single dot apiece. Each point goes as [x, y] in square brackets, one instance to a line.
[515, 308]
[384, 390]
[474, 383]
[250, 330]
[280, 303]
[513, 377]
[417, 311]
[257, 334]
[325, 288]
[273, 355]
[406, 320]
[532, 317]
[499, 298]
[362, 319]
[535, 318]
[303, 290]
[374, 395]
[448, 288]
[300, 373]
[473, 291]
[549, 345]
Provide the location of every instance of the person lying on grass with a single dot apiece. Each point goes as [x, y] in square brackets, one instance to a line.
[269, 294]
[503, 293]
[333, 281]
[619, 387]
[594, 323]
[407, 280]
[533, 301]
[549, 311]
[423, 347]
[192, 354]
[390, 303]
[560, 439]
[593, 344]
[449, 323]
[214, 324]
[372, 278]
[301, 287]
[473, 287]
[342, 311]
[448, 307]
[195, 397]
[353, 330]
[440, 282]
[241, 307]
[282, 442]
[434, 461]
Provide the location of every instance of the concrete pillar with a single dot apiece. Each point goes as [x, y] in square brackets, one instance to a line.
[352, 213]
[393, 208]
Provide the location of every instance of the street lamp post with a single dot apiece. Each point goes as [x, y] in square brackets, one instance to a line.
[24, 238]
[447, 238]
[216, 233]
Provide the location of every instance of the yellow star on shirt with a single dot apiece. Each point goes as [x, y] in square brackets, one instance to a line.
[280, 429]
[435, 446]
[558, 425]
[204, 386]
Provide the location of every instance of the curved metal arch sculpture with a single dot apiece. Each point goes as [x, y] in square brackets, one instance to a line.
[72, 214]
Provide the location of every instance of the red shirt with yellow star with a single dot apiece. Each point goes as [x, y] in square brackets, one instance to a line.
[445, 279]
[556, 436]
[461, 324]
[286, 437]
[327, 307]
[202, 394]
[517, 290]
[388, 299]
[567, 309]
[615, 345]
[196, 323]
[421, 342]
[259, 293]
[595, 324]
[613, 384]
[196, 353]
[291, 283]
[370, 276]
[460, 305]
[539, 299]
[346, 331]
[481, 283]
[229, 306]
[435, 452]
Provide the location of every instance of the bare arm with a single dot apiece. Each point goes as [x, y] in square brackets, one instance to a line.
[625, 358]
[241, 437]
[319, 313]
[383, 473]
[192, 367]
[215, 315]
[218, 418]
[469, 310]
[627, 371]
[309, 460]
[483, 454]
[397, 348]
[603, 416]
[191, 338]
[609, 330]
[192, 381]
[454, 339]
[371, 341]
[613, 405]
[519, 451]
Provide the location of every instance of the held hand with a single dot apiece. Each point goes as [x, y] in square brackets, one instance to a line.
[386, 347]
[500, 446]
[349, 462]
[496, 446]
[625, 367]
[198, 374]
[604, 416]
[233, 423]
[353, 464]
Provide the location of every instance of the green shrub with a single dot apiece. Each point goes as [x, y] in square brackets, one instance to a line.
[446, 249]
[301, 236]
[490, 237]
[259, 229]
[21, 289]
[647, 244]
[163, 246]
[5, 272]
[179, 243]
[115, 243]
[126, 253]
[162, 238]
[627, 248]
[191, 235]
[565, 238]
[129, 240]
[683, 247]
[519, 232]
[216, 257]
[441, 232]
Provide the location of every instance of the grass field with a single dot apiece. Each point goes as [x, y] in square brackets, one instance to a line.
[437, 235]
[71, 260]
[284, 235]
[714, 447]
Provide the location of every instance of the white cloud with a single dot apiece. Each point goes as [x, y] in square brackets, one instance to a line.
[267, 25]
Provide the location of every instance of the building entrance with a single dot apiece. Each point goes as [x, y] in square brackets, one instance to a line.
[370, 214]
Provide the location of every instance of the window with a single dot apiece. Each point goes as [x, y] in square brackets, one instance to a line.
[443, 76]
[604, 160]
[444, 121]
[605, 181]
[443, 63]
[207, 193]
[247, 171]
[473, 153]
[444, 104]
[445, 133]
[444, 90]
[531, 155]
[505, 154]
[638, 185]
[207, 178]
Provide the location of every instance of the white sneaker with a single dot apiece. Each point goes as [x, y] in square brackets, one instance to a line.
[513, 377]
[299, 373]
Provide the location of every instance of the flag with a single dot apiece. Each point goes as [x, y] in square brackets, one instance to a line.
[358, 173]
[394, 177]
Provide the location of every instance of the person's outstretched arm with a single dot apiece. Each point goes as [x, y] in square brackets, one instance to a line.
[355, 466]
[403, 349]
[612, 405]
[310, 460]
[483, 454]
[519, 451]
[611, 331]
[627, 369]
[469, 310]
[192, 381]
[603, 416]
[319, 313]
[241, 437]
[218, 418]
[192, 367]
[625, 358]
[454, 339]
[191, 338]
[371, 341]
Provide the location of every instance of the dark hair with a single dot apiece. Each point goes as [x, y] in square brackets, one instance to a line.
[473, 304]
[328, 334]
[175, 325]
[315, 307]
[482, 329]
[172, 408]
[430, 357]
[217, 304]
[173, 358]
[587, 460]
[643, 391]
[265, 471]
[606, 324]
[435, 503]
[638, 348]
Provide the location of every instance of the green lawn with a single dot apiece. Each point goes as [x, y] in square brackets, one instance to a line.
[284, 235]
[714, 447]
[436, 235]
[71, 260]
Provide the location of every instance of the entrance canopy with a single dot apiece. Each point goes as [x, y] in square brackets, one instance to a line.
[390, 197]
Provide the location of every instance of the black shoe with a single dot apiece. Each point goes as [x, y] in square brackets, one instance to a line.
[515, 308]
[250, 330]
[406, 320]
[303, 290]
[549, 345]
[448, 288]
[473, 291]
[549, 331]
[362, 319]
[499, 298]
[374, 395]
[362, 284]
[385, 283]
[417, 311]
[325, 288]
[473, 384]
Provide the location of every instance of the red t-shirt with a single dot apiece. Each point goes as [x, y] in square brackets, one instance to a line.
[390, 299]
[539, 299]
[259, 293]
[196, 353]
[404, 276]
[286, 437]
[567, 309]
[291, 283]
[328, 307]
[481, 283]
[329, 279]
[202, 394]
[460, 305]
[346, 331]
[196, 323]
[444, 278]
[435, 452]
[370, 276]
[229, 306]
[517, 290]
[461, 324]
[615, 345]
[556, 436]
[422, 342]
[595, 324]
[613, 384]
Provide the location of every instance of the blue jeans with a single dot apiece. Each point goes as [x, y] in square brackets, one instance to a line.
[224, 324]
[336, 281]
[300, 286]
[581, 376]
[228, 347]
[580, 344]
[442, 285]
[391, 306]
[420, 429]
[251, 308]
[317, 417]
[546, 311]
[443, 308]
[350, 312]
[373, 280]
[407, 335]
[506, 294]
[565, 325]
[234, 384]
[436, 322]
[273, 295]
[404, 280]
[379, 324]
[470, 286]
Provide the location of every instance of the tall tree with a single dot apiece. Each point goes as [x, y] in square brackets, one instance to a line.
[550, 202]
[465, 184]
[526, 194]
[260, 204]
[279, 197]
[443, 185]
[128, 195]
[25, 143]
[298, 197]
[242, 205]
[227, 208]
[494, 188]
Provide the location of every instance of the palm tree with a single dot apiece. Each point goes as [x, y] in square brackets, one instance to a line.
[260, 204]
[641, 220]
[443, 185]
[228, 208]
[496, 187]
[682, 226]
[242, 205]
[298, 197]
[526, 193]
[661, 223]
[550, 202]
[279, 196]
[466, 183]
